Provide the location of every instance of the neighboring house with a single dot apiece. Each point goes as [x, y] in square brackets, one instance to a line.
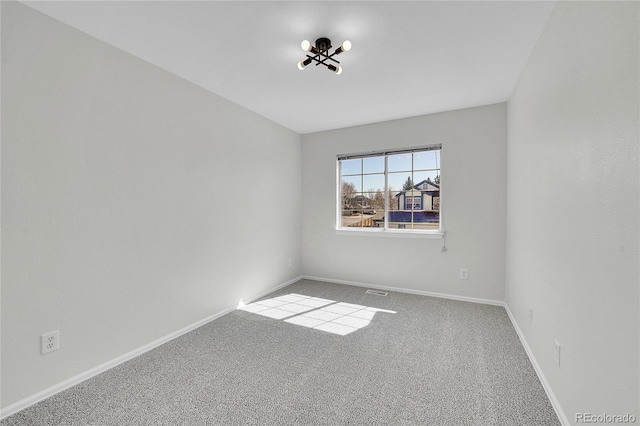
[356, 205]
[425, 196]
[360, 201]
[419, 205]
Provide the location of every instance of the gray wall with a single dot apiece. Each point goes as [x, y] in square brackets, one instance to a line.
[473, 206]
[133, 203]
[573, 185]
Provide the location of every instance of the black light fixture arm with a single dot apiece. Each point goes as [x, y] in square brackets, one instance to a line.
[321, 54]
[320, 61]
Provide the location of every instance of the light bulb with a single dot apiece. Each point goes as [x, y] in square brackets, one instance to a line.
[346, 46]
[306, 45]
[301, 65]
[339, 70]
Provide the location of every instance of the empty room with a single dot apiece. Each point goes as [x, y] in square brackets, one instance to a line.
[320, 212]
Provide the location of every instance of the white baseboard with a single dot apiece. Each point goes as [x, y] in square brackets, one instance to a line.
[545, 384]
[409, 291]
[46, 393]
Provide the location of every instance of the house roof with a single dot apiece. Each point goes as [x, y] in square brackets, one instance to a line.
[428, 182]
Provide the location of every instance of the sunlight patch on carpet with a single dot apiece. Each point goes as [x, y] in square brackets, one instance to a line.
[313, 312]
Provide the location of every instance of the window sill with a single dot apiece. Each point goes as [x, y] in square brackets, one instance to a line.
[391, 233]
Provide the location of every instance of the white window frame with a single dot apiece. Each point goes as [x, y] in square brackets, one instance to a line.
[386, 231]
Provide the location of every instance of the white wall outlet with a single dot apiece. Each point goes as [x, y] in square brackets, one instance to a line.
[464, 274]
[556, 352]
[50, 342]
[290, 262]
[531, 314]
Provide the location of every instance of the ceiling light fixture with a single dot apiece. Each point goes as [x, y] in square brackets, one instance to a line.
[320, 54]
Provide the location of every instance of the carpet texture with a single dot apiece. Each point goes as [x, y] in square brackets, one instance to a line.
[432, 362]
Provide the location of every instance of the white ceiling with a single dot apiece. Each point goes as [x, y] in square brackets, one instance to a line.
[408, 58]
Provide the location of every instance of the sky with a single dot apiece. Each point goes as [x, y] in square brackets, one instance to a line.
[368, 173]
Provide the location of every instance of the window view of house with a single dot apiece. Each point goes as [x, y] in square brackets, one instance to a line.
[391, 190]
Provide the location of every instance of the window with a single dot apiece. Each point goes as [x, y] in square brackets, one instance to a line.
[390, 190]
[413, 203]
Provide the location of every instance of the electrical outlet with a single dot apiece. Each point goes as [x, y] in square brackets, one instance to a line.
[556, 352]
[531, 314]
[290, 262]
[464, 274]
[50, 342]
